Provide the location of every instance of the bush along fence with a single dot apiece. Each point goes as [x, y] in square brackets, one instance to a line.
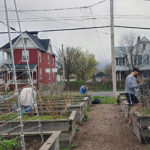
[94, 86]
[140, 116]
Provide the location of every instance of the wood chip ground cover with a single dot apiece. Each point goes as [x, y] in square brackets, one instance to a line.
[106, 129]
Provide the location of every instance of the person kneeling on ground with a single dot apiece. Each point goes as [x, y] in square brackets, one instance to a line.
[130, 89]
[83, 89]
[27, 97]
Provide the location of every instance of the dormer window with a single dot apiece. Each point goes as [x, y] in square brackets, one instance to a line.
[25, 54]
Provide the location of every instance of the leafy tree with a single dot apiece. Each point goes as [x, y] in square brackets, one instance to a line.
[87, 66]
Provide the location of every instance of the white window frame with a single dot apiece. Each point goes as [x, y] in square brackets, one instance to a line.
[40, 73]
[49, 75]
[24, 56]
[48, 60]
[40, 57]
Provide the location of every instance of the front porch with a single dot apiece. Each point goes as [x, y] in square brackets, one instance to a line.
[7, 79]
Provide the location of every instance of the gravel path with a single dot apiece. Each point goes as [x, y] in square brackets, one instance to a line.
[106, 129]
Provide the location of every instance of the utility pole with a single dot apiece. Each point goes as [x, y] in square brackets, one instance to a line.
[112, 47]
[63, 63]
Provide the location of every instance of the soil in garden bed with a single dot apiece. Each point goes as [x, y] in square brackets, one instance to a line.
[33, 143]
[106, 129]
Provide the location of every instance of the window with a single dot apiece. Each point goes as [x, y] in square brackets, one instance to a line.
[40, 73]
[144, 45]
[40, 56]
[53, 59]
[139, 59]
[117, 61]
[147, 59]
[24, 54]
[145, 75]
[48, 59]
[0, 75]
[49, 75]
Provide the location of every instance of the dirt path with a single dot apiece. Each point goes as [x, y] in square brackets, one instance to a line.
[106, 129]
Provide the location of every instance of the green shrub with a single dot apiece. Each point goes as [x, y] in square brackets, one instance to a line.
[85, 117]
[94, 86]
[70, 147]
[88, 109]
[9, 144]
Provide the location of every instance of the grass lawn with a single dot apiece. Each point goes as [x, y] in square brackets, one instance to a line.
[105, 100]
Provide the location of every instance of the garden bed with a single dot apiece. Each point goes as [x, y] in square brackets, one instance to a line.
[80, 109]
[67, 126]
[33, 141]
[141, 127]
[140, 122]
[125, 107]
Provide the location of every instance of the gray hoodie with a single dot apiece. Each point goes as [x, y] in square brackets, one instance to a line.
[131, 84]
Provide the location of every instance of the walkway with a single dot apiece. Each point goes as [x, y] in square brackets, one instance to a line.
[106, 129]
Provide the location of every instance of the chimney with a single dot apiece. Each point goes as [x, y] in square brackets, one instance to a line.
[35, 33]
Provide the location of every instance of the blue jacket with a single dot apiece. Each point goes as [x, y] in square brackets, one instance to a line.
[82, 90]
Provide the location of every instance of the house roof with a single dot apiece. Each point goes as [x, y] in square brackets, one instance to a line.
[120, 51]
[42, 44]
[100, 74]
[21, 66]
[144, 39]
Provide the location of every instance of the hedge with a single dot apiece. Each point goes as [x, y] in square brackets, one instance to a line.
[94, 86]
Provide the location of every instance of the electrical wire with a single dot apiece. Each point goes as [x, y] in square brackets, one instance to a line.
[58, 9]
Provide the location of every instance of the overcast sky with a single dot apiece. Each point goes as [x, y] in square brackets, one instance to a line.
[127, 12]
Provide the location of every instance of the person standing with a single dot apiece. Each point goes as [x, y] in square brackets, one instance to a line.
[130, 87]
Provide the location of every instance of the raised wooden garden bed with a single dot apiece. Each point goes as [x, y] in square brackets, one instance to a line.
[66, 126]
[33, 140]
[125, 108]
[141, 127]
[80, 108]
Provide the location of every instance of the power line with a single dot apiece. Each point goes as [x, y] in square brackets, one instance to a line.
[67, 29]
[58, 9]
[97, 33]
[85, 28]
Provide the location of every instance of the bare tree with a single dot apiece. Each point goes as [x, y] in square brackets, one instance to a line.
[131, 50]
[70, 56]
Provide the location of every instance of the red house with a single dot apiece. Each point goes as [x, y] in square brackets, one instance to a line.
[40, 57]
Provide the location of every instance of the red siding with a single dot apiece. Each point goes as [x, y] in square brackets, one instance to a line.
[33, 57]
[44, 65]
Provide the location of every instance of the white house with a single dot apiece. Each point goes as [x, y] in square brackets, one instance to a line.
[140, 55]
